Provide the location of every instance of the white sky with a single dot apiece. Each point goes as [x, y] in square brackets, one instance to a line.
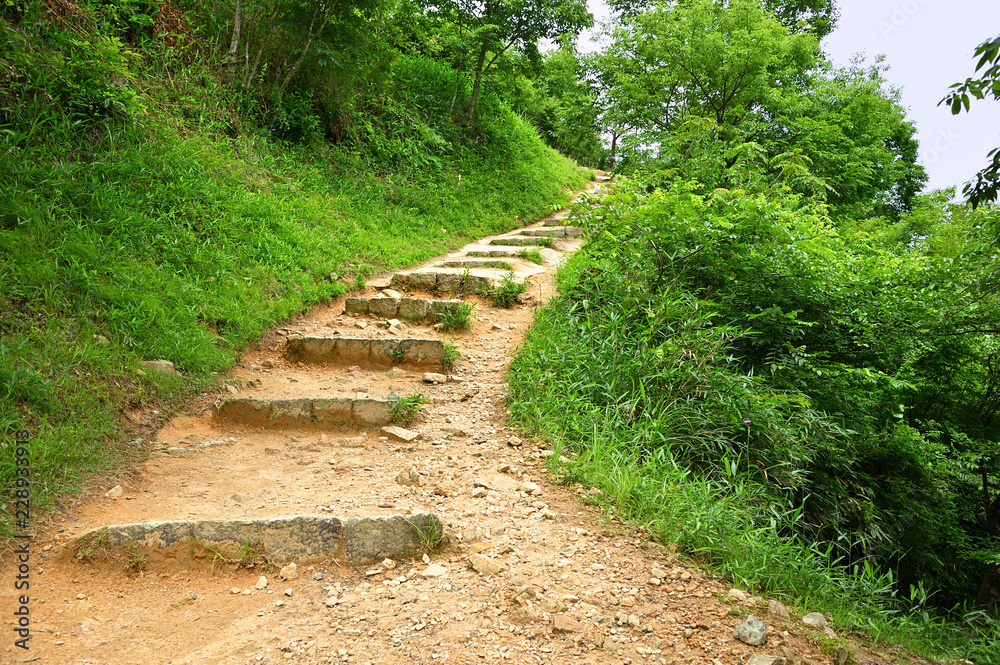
[928, 45]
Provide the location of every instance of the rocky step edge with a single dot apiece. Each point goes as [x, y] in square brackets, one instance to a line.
[422, 353]
[452, 280]
[477, 263]
[320, 412]
[523, 241]
[303, 539]
[553, 232]
[408, 309]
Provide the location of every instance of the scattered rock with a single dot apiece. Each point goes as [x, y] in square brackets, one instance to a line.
[232, 390]
[564, 624]
[410, 477]
[318, 576]
[350, 463]
[479, 492]
[388, 564]
[815, 619]
[395, 373]
[842, 655]
[400, 433]
[514, 441]
[737, 596]
[476, 548]
[434, 570]
[353, 442]
[551, 605]
[115, 492]
[791, 657]
[777, 609]
[261, 583]
[164, 366]
[751, 632]
[433, 377]
[484, 565]
[497, 483]
[289, 572]
[389, 293]
[267, 363]
[529, 487]
[765, 659]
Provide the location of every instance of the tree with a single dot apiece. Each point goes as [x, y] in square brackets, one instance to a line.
[700, 58]
[851, 126]
[497, 26]
[986, 186]
[816, 16]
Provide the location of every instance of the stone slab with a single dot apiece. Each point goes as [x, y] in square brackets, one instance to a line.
[299, 538]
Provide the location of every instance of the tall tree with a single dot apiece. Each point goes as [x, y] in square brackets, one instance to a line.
[699, 58]
[816, 16]
[497, 26]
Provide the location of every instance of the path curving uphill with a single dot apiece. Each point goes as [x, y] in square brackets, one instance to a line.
[289, 519]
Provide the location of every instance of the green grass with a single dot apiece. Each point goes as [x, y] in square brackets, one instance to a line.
[455, 316]
[506, 294]
[581, 383]
[531, 254]
[406, 408]
[172, 243]
[451, 355]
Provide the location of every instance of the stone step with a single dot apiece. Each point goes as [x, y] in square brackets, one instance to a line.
[473, 263]
[444, 282]
[320, 412]
[507, 252]
[300, 539]
[409, 309]
[522, 241]
[552, 232]
[381, 352]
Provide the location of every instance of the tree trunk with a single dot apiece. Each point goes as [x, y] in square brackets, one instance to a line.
[475, 85]
[454, 94]
[234, 44]
[309, 40]
[989, 593]
[614, 148]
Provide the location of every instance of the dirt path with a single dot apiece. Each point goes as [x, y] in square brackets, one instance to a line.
[557, 582]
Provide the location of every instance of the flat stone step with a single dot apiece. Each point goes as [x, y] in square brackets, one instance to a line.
[444, 282]
[321, 412]
[553, 232]
[410, 309]
[522, 241]
[506, 252]
[424, 353]
[473, 263]
[301, 539]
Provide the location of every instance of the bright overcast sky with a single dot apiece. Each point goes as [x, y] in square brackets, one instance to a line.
[928, 45]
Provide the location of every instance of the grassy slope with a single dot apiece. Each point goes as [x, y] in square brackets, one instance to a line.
[177, 245]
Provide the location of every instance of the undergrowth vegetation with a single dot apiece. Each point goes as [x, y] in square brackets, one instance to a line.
[158, 203]
[807, 409]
